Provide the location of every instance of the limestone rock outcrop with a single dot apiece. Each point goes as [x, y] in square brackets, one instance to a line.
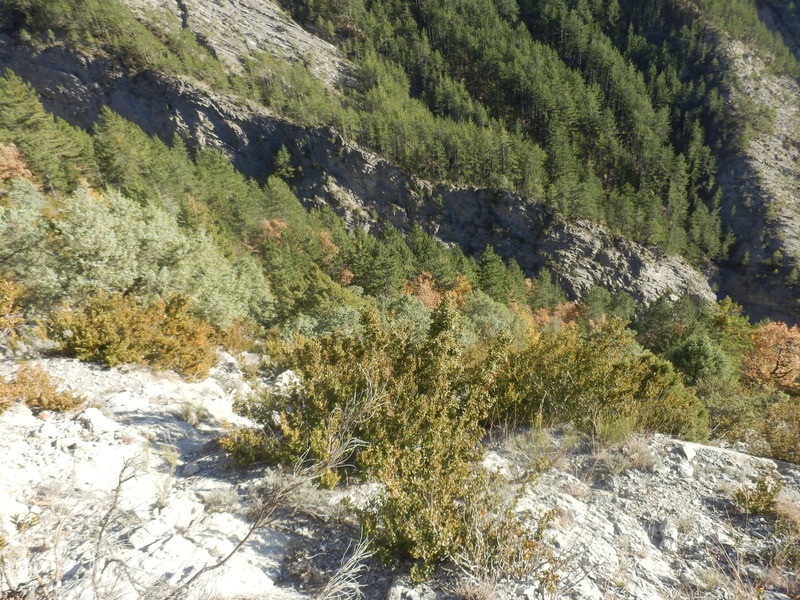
[250, 27]
[649, 518]
[761, 195]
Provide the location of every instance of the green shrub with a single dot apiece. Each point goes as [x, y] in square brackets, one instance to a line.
[10, 316]
[430, 511]
[109, 328]
[7, 397]
[698, 357]
[759, 500]
[240, 336]
[734, 410]
[781, 428]
[108, 242]
[184, 343]
[564, 375]
[667, 405]
[247, 446]
[417, 407]
[334, 369]
[491, 318]
[407, 314]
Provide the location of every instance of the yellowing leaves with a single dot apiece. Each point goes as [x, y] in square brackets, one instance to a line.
[12, 164]
[113, 329]
[775, 357]
[10, 316]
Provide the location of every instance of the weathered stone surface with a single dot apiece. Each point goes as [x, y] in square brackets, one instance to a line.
[688, 452]
[61, 475]
[584, 255]
[669, 535]
[648, 534]
[96, 422]
[287, 383]
[761, 193]
[402, 589]
[251, 26]
[190, 469]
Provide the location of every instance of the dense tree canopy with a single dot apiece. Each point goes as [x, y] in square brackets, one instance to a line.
[612, 111]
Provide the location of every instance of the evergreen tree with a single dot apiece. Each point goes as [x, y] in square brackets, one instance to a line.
[58, 154]
[431, 256]
[493, 276]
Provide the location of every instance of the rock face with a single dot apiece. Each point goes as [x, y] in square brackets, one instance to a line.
[134, 466]
[586, 255]
[761, 196]
[646, 521]
[361, 187]
[650, 519]
[250, 27]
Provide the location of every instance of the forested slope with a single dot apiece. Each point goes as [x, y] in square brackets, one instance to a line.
[618, 112]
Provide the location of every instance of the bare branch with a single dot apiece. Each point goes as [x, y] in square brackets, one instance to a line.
[131, 469]
[341, 445]
[344, 584]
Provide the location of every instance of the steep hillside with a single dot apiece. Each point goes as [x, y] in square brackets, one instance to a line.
[761, 200]
[621, 130]
[444, 274]
[250, 27]
[364, 189]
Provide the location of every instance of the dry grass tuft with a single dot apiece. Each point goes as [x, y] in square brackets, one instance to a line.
[475, 589]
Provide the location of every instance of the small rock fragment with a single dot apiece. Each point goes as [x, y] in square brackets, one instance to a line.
[669, 535]
[96, 422]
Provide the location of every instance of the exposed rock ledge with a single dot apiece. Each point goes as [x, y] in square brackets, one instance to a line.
[652, 520]
[250, 26]
[761, 195]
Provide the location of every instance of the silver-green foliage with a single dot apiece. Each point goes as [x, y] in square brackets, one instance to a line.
[491, 318]
[89, 242]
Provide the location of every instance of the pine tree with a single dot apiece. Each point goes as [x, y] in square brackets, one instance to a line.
[58, 154]
[493, 275]
[431, 256]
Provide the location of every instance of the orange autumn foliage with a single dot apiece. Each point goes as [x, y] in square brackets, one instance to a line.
[461, 290]
[561, 314]
[346, 277]
[424, 289]
[34, 388]
[329, 250]
[774, 359]
[271, 229]
[12, 164]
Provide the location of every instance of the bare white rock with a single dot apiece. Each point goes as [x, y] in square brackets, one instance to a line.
[96, 422]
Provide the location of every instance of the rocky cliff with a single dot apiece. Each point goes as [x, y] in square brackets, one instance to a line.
[761, 195]
[361, 187]
[250, 27]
